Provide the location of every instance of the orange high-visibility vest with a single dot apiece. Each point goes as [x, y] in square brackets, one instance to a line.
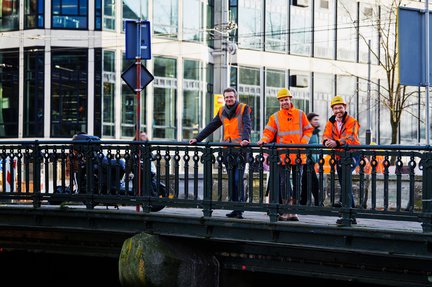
[289, 127]
[233, 127]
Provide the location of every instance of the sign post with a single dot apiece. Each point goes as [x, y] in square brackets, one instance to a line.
[137, 45]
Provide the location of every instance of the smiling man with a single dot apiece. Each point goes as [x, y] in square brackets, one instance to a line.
[341, 129]
[236, 122]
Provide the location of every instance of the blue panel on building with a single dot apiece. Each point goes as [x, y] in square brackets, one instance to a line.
[412, 67]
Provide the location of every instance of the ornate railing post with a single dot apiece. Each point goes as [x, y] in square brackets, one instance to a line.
[208, 181]
[426, 215]
[274, 190]
[36, 175]
[144, 157]
[346, 189]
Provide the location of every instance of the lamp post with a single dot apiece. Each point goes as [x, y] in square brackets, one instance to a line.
[369, 129]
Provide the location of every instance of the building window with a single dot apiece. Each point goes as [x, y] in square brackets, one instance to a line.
[193, 20]
[165, 20]
[109, 15]
[251, 24]
[192, 106]
[324, 91]
[108, 95]
[34, 92]
[301, 30]
[300, 89]
[275, 80]
[135, 9]
[324, 30]
[249, 91]
[9, 86]
[33, 14]
[347, 31]
[276, 25]
[69, 14]
[165, 98]
[69, 85]
[97, 97]
[9, 15]
[98, 15]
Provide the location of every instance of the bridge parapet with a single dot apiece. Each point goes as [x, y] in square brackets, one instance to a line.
[396, 183]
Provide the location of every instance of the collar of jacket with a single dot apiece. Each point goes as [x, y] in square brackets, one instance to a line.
[332, 119]
[230, 111]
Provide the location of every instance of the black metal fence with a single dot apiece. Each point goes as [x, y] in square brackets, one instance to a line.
[388, 182]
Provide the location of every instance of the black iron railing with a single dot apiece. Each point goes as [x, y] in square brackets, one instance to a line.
[390, 182]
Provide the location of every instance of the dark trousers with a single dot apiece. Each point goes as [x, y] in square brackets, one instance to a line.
[286, 175]
[235, 164]
[314, 185]
[356, 161]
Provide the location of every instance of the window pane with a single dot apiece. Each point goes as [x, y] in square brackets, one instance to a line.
[34, 92]
[251, 24]
[249, 93]
[276, 25]
[192, 88]
[165, 98]
[69, 92]
[9, 15]
[301, 30]
[9, 85]
[166, 18]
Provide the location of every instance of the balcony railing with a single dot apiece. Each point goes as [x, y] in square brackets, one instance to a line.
[390, 182]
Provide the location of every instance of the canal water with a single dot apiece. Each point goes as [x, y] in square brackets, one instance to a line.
[41, 269]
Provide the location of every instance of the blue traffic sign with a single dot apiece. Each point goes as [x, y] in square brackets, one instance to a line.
[138, 39]
[130, 77]
[412, 46]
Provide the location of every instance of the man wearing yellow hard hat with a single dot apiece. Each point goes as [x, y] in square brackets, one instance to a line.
[288, 126]
[342, 129]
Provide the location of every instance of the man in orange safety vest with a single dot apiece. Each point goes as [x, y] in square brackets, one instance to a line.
[288, 126]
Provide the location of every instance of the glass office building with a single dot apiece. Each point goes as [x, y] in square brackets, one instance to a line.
[61, 63]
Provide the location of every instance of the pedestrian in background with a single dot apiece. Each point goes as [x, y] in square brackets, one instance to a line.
[289, 126]
[236, 122]
[314, 120]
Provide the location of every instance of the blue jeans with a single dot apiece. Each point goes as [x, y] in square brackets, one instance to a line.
[356, 160]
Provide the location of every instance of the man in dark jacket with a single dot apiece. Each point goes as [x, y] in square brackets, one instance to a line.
[236, 122]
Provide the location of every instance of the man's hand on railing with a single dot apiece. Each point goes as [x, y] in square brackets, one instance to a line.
[244, 142]
[193, 141]
[260, 142]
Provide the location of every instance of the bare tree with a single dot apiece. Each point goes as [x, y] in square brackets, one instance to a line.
[392, 95]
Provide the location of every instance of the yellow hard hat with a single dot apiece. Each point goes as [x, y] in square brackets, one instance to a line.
[338, 100]
[282, 93]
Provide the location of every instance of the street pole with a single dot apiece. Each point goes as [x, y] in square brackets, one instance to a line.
[427, 72]
[138, 108]
[369, 129]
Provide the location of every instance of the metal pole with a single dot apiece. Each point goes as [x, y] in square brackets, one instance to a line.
[369, 129]
[427, 72]
[138, 108]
